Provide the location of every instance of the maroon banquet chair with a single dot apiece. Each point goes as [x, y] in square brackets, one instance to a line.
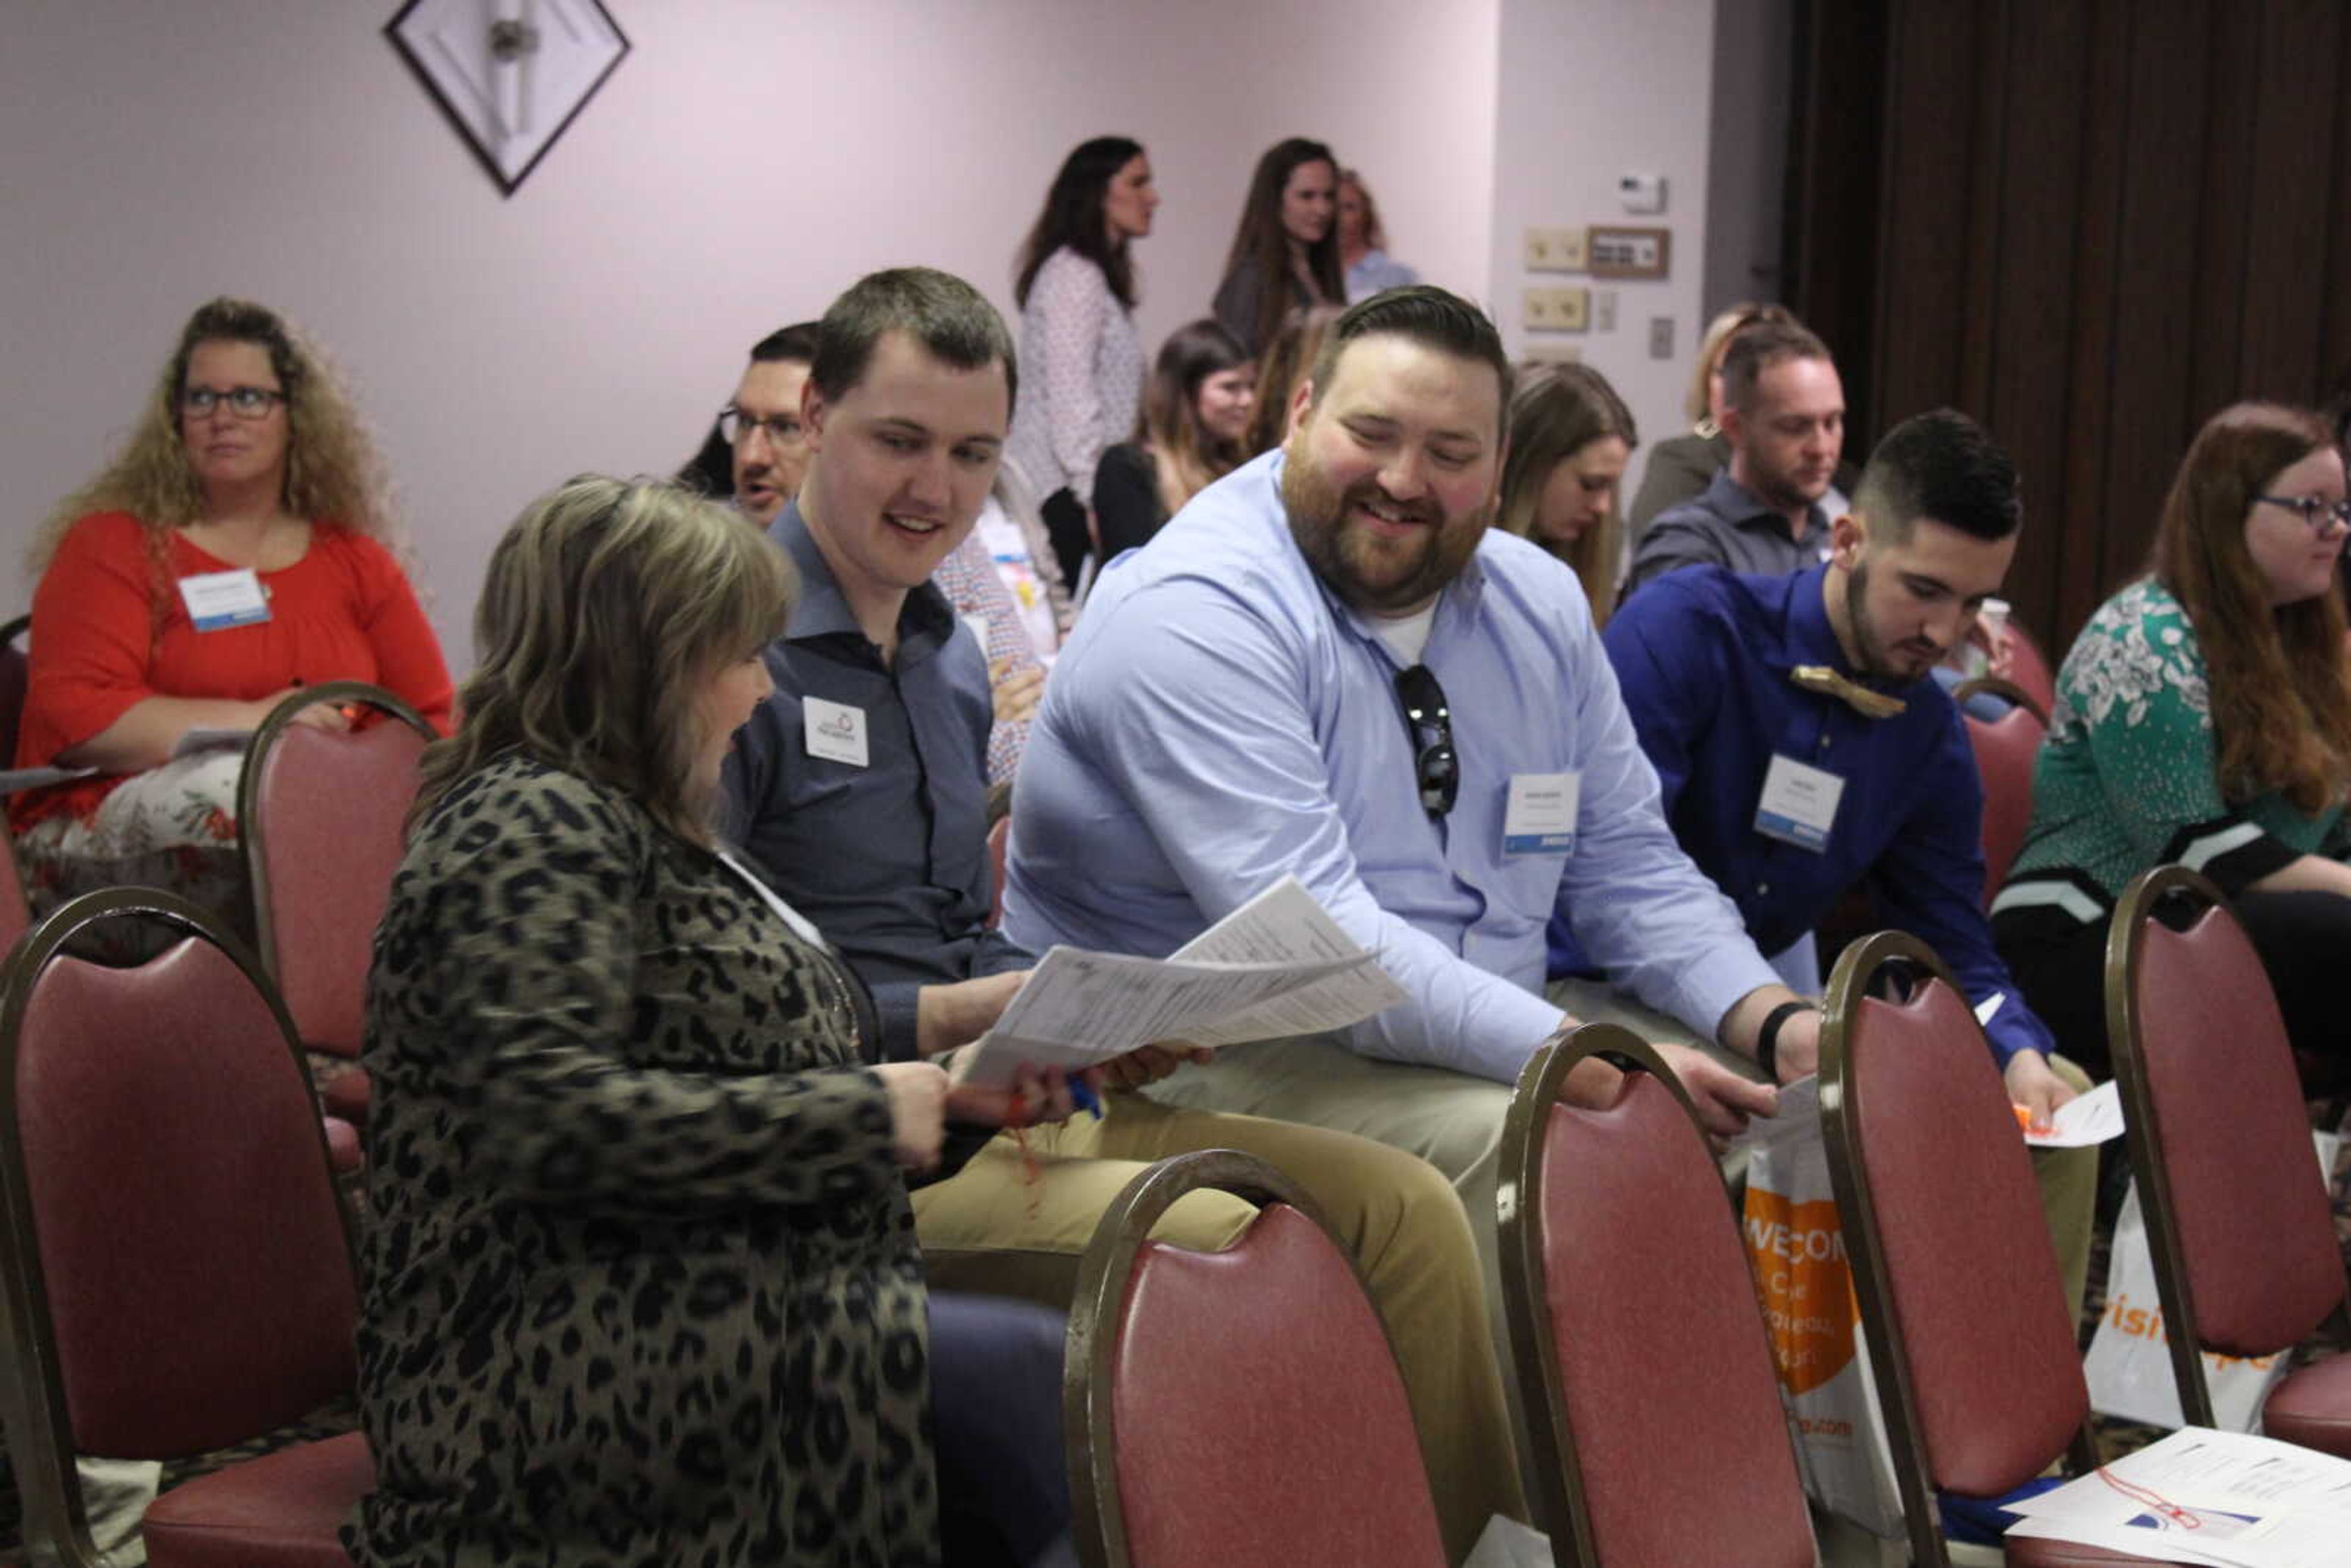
[1239, 1408]
[321, 814]
[2029, 668]
[2238, 1217]
[175, 1257]
[2005, 749]
[1971, 1347]
[1653, 1407]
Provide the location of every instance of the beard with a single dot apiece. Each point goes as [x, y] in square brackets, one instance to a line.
[1877, 661]
[1366, 571]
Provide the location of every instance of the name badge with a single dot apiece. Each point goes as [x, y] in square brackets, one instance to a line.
[834, 731]
[219, 599]
[1541, 817]
[1800, 804]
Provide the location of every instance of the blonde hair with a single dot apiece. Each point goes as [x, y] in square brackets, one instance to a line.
[332, 471]
[1375, 233]
[1699, 402]
[2279, 682]
[1556, 412]
[607, 606]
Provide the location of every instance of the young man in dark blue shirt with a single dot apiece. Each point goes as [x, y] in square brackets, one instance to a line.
[1802, 749]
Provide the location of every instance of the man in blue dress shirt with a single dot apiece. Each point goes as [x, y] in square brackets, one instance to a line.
[1802, 750]
[1327, 665]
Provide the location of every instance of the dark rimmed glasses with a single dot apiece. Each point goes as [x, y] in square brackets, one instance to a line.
[245, 403]
[1436, 767]
[2318, 513]
[736, 424]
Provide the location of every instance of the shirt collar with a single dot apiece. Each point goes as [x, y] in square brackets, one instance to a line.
[821, 610]
[1743, 508]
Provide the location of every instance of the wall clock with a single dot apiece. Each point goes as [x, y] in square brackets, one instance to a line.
[511, 75]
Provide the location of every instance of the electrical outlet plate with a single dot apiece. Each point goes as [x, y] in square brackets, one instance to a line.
[1552, 352]
[1557, 309]
[1556, 250]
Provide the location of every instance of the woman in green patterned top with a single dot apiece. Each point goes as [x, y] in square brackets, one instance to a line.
[2204, 717]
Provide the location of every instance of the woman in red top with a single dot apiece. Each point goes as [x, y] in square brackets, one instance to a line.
[237, 547]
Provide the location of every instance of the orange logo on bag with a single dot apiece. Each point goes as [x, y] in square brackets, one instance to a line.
[1797, 1251]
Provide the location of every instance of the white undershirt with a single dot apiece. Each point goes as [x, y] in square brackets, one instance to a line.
[1406, 635]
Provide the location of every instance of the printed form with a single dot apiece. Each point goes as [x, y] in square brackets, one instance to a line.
[1277, 966]
[2204, 1496]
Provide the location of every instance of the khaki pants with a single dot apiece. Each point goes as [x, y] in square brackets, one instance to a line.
[991, 1228]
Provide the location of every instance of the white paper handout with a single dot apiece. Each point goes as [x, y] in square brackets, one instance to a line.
[2083, 1120]
[1277, 966]
[2203, 1496]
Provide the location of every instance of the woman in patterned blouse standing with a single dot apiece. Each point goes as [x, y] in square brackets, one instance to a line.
[1084, 363]
[2204, 716]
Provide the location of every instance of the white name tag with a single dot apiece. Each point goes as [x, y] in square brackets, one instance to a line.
[1541, 817]
[834, 731]
[217, 600]
[1799, 803]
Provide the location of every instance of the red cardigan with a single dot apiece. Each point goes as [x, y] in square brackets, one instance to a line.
[343, 612]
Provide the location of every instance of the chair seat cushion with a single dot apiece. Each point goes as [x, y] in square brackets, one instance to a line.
[281, 1510]
[2313, 1407]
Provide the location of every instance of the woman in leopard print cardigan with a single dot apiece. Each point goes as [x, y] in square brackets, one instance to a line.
[643, 1286]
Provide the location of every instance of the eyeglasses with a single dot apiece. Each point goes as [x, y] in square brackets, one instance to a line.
[1436, 766]
[2318, 514]
[245, 403]
[736, 426]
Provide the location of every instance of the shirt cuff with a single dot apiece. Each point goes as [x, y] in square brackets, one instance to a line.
[2234, 852]
[899, 1004]
[1703, 995]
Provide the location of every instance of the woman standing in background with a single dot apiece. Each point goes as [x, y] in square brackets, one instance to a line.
[1076, 292]
[1363, 242]
[1285, 251]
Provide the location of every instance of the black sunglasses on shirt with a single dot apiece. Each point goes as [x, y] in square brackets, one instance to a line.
[1436, 767]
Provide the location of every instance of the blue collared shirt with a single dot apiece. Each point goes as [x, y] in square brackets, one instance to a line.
[1219, 719]
[889, 860]
[1703, 657]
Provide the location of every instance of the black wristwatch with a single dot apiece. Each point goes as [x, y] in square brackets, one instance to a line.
[1767, 1039]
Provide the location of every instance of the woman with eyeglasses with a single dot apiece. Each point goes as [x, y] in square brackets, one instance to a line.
[241, 545]
[2204, 716]
[1080, 358]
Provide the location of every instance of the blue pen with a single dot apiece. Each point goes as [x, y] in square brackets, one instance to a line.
[1082, 1092]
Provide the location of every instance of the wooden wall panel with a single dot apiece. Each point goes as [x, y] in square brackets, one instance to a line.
[2286, 278]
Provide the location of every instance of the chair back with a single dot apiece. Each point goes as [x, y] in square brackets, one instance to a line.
[2006, 749]
[2029, 668]
[1238, 1407]
[321, 813]
[1970, 1344]
[15, 908]
[16, 672]
[176, 1259]
[1653, 1409]
[2237, 1218]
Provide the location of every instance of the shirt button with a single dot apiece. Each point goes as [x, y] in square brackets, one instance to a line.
[1762, 890]
[1824, 743]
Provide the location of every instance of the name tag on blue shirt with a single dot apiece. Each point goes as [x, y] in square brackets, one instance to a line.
[219, 599]
[1800, 804]
[833, 731]
[1541, 817]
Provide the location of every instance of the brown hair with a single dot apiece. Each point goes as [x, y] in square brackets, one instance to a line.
[1186, 457]
[2279, 682]
[1556, 412]
[1260, 242]
[1285, 362]
[606, 606]
[1756, 348]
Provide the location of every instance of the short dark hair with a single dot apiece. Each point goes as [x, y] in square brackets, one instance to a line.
[1756, 348]
[952, 320]
[1947, 468]
[1425, 315]
[795, 344]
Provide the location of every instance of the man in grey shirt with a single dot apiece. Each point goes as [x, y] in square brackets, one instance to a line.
[1784, 417]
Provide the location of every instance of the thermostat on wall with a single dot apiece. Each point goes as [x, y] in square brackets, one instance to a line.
[1642, 192]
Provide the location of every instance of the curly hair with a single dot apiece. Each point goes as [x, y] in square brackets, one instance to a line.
[606, 606]
[2280, 680]
[332, 471]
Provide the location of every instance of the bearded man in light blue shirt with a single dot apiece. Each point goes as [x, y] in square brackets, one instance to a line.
[1328, 666]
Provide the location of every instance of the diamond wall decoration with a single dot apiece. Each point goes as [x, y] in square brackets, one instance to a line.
[511, 75]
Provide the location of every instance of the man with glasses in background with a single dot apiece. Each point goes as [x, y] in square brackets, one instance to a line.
[1328, 665]
[758, 453]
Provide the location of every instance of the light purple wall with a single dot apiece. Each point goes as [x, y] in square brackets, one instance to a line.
[749, 158]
